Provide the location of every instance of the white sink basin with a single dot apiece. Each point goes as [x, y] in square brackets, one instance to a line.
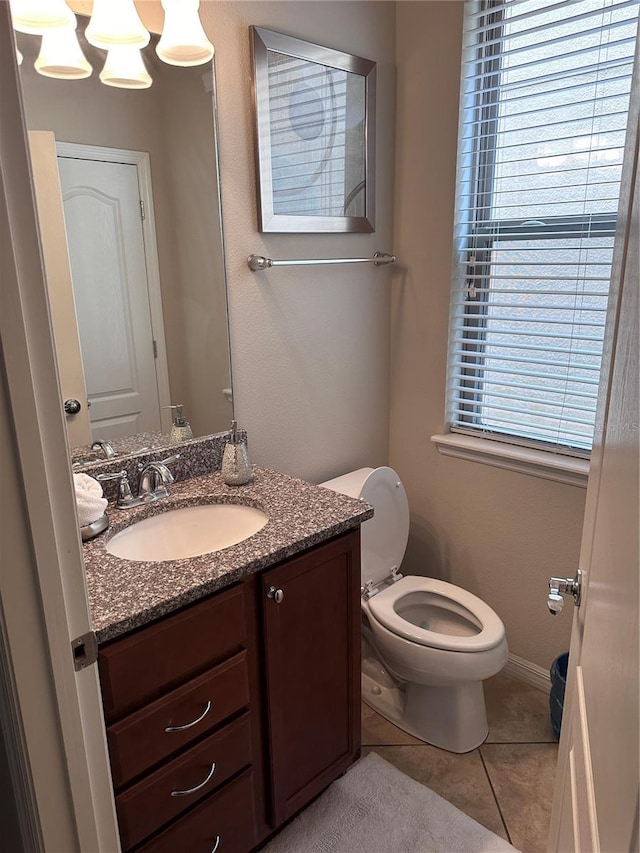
[187, 532]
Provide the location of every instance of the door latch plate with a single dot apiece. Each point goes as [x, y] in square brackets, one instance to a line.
[84, 651]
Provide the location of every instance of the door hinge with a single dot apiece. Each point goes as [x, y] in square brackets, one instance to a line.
[84, 651]
[155, 348]
[142, 213]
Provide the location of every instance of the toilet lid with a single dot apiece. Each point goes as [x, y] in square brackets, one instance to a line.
[384, 537]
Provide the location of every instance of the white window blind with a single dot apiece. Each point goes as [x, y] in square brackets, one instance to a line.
[545, 93]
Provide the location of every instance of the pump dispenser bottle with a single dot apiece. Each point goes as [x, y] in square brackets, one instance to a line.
[181, 428]
[236, 465]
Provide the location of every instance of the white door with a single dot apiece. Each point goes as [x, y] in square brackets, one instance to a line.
[106, 248]
[596, 797]
[46, 182]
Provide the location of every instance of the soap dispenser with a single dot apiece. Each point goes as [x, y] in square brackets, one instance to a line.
[181, 428]
[236, 465]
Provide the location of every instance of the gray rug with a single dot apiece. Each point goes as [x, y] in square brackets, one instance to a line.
[375, 808]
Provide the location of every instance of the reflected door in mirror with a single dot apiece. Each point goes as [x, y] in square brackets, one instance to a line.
[107, 254]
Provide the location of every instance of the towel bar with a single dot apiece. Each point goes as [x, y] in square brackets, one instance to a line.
[259, 262]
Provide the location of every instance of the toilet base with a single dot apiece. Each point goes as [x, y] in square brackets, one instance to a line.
[452, 718]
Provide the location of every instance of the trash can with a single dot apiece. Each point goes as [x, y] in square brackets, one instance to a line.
[558, 673]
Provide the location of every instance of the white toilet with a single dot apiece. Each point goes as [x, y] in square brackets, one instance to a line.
[427, 645]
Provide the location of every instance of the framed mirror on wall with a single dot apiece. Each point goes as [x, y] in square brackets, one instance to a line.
[315, 136]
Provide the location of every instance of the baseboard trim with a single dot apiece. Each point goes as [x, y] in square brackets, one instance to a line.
[528, 672]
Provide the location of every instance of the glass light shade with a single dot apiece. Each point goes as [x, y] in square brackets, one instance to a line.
[19, 56]
[183, 40]
[125, 69]
[116, 22]
[61, 56]
[37, 17]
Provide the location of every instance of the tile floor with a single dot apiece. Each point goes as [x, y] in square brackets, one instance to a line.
[507, 783]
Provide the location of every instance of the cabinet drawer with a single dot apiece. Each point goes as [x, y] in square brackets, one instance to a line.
[225, 822]
[141, 740]
[144, 665]
[150, 803]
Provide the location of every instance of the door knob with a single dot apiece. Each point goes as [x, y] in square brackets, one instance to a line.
[72, 407]
[564, 586]
[276, 594]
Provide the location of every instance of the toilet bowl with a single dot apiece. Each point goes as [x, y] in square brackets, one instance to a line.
[427, 645]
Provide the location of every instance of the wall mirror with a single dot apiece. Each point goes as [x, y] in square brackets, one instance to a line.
[315, 136]
[139, 181]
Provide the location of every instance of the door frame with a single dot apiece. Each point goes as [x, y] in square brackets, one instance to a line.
[43, 593]
[142, 162]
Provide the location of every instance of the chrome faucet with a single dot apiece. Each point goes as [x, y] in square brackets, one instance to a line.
[154, 479]
[106, 447]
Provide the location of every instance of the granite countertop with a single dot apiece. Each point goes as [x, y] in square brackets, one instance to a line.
[125, 594]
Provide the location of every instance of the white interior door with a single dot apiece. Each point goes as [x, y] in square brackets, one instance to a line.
[46, 183]
[106, 248]
[596, 798]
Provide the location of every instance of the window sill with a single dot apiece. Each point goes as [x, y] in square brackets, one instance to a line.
[524, 460]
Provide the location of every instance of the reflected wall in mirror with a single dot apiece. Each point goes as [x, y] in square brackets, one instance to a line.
[315, 121]
[138, 174]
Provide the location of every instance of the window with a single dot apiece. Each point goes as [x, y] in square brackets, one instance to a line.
[545, 93]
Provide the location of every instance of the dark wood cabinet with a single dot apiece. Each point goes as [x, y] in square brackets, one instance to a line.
[312, 655]
[226, 718]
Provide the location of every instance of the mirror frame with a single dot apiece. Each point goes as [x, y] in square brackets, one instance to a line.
[263, 41]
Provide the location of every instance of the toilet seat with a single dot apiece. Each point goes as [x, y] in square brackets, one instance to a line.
[383, 607]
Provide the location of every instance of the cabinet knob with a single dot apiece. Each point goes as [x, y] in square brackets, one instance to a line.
[276, 594]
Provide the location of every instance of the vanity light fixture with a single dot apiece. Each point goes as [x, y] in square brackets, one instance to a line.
[125, 69]
[183, 40]
[116, 27]
[61, 56]
[37, 17]
[116, 22]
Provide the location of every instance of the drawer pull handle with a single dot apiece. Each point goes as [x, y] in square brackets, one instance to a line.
[218, 840]
[197, 787]
[193, 723]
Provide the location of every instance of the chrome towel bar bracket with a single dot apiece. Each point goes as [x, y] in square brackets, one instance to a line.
[259, 262]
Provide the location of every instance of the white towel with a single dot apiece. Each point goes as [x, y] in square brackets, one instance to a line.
[91, 505]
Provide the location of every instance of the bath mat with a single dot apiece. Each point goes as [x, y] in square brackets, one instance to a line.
[375, 808]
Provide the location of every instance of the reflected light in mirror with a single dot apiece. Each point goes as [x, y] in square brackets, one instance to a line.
[125, 69]
[61, 56]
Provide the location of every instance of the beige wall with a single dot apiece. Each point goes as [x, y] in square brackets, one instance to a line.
[500, 534]
[310, 349]
[157, 120]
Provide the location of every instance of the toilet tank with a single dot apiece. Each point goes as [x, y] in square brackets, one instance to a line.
[349, 484]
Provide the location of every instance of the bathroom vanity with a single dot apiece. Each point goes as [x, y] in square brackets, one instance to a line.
[230, 680]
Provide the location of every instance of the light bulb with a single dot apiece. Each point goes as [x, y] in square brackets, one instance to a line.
[116, 22]
[183, 40]
[61, 56]
[37, 17]
[19, 56]
[125, 69]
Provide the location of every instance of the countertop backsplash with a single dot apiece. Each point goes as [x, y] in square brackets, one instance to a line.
[197, 457]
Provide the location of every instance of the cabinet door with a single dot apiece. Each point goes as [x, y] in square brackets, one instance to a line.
[312, 650]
